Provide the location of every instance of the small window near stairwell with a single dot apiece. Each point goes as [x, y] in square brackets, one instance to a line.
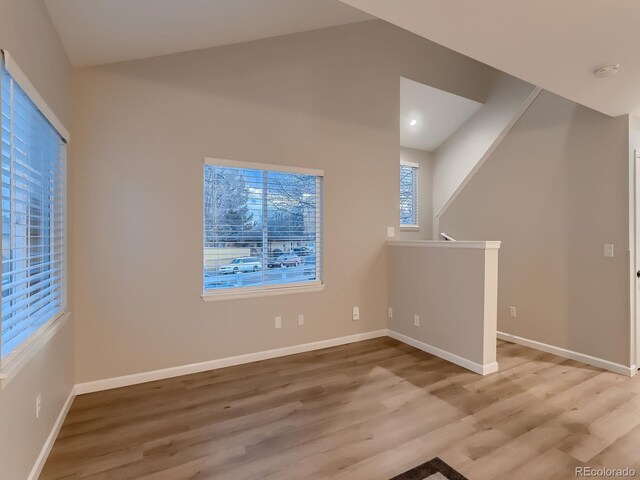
[408, 194]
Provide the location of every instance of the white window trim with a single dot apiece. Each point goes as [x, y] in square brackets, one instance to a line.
[409, 164]
[21, 79]
[263, 291]
[220, 162]
[213, 295]
[408, 227]
[13, 363]
[17, 359]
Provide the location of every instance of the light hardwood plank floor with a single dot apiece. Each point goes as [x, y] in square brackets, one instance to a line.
[368, 410]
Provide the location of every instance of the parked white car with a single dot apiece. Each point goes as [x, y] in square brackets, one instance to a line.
[242, 265]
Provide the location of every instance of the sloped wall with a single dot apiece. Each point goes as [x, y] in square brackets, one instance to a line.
[554, 191]
[459, 155]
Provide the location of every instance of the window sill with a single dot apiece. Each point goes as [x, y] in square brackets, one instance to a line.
[10, 368]
[409, 228]
[261, 292]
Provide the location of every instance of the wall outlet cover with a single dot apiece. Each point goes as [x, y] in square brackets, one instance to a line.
[608, 250]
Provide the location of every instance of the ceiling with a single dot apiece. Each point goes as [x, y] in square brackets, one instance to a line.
[438, 114]
[106, 31]
[555, 44]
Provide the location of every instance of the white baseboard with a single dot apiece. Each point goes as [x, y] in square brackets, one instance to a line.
[116, 382]
[143, 377]
[570, 354]
[48, 444]
[451, 357]
[126, 380]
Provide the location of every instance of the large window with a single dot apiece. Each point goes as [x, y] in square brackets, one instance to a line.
[33, 219]
[408, 194]
[262, 227]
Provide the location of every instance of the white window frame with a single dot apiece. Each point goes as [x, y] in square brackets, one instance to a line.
[12, 363]
[413, 226]
[213, 295]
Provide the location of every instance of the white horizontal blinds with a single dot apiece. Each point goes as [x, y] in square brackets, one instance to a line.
[33, 218]
[408, 194]
[262, 227]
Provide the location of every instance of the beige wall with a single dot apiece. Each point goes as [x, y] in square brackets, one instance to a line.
[634, 145]
[49, 373]
[28, 34]
[425, 193]
[460, 153]
[325, 99]
[430, 279]
[554, 192]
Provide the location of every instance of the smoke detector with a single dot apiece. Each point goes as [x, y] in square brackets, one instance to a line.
[606, 70]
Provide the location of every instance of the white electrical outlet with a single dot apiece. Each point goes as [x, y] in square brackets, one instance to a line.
[608, 250]
[300, 319]
[513, 312]
[38, 405]
[390, 312]
[356, 313]
[278, 322]
[416, 320]
[391, 232]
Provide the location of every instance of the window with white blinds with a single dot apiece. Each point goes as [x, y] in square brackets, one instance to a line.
[33, 219]
[408, 194]
[262, 227]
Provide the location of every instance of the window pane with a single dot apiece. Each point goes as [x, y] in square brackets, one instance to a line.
[408, 195]
[33, 218]
[261, 227]
[292, 227]
[233, 227]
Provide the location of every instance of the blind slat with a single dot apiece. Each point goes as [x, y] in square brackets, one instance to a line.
[49, 304]
[18, 316]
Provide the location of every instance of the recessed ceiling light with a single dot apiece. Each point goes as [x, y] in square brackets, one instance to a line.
[606, 70]
[413, 122]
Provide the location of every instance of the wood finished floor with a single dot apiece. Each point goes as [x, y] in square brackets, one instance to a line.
[368, 410]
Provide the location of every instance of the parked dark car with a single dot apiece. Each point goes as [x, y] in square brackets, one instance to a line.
[302, 251]
[285, 260]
